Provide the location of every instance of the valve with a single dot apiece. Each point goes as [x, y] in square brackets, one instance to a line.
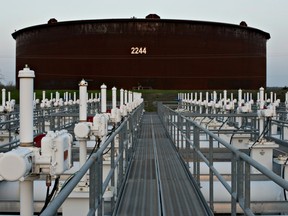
[82, 130]
[53, 158]
[100, 125]
[115, 115]
[16, 164]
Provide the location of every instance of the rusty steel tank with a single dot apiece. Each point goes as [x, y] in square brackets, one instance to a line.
[150, 53]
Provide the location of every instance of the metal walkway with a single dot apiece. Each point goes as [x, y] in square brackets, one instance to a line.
[158, 183]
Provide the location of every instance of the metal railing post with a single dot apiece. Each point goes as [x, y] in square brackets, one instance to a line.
[113, 176]
[99, 171]
[121, 148]
[173, 128]
[178, 131]
[93, 197]
[240, 187]
[196, 163]
[240, 180]
[181, 124]
[211, 182]
[247, 186]
[234, 184]
[188, 137]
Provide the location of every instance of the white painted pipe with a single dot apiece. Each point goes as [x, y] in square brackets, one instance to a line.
[214, 96]
[82, 154]
[83, 100]
[51, 96]
[9, 191]
[258, 188]
[130, 98]
[214, 101]
[261, 98]
[26, 198]
[261, 106]
[83, 118]
[103, 98]
[122, 97]
[114, 97]
[135, 96]
[271, 97]
[261, 191]
[239, 119]
[125, 97]
[3, 97]
[57, 96]
[196, 98]
[225, 97]
[43, 95]
[75, 97]
[26, 87]
[66, 96]
[34, 97]
[200, 99]
[207, 101]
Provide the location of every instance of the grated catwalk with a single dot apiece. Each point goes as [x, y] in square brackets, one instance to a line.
[157, 183]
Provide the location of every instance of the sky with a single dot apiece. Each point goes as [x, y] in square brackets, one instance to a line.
[267, 15]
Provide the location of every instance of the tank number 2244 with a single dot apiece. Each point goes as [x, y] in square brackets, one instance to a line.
[138, 50]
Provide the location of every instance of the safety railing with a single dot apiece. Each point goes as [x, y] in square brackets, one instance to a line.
[45, 119]
[239, 188]
[126, 133]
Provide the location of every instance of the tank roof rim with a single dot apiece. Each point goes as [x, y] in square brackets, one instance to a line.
[71, 22]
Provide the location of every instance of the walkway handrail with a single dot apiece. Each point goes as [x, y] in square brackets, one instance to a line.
[10, 121]
[240, 183]
[95, 192]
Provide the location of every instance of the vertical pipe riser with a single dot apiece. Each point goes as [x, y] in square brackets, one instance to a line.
[26, 88]
[3, 97]
[103, 98]
[83, 100]
[114, 97]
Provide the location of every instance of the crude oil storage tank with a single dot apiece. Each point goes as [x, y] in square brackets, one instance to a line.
[143, 53]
